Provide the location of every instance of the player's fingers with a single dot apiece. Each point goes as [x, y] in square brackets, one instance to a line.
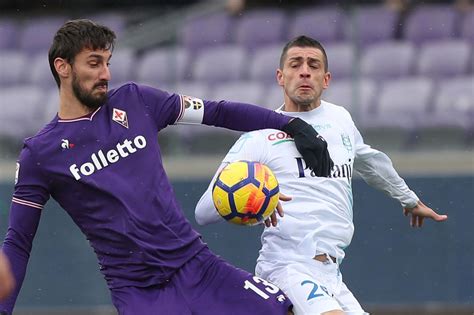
[284, 197]
[419, 221]
[439, 217]
[279, 209]
[405, 211]
[267, 222]
[273, 218]
[413, 220]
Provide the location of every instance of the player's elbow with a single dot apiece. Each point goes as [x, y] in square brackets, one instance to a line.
[200, 218]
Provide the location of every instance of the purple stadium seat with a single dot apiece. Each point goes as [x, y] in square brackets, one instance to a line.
[162, 66]
[13, 67]
[37, 34]
[453, 103]
[355, 96]
[430, 22]
[402, 103]
[195, 89]
[121, 66]
[239, 91]
[204, 31]
[223, 63]
[21, 111]
[341, 60]
[388, 60]
[264, 63]
[273, 97]
[373, 24]
[260, 27]
[467, 27]
[39, 72]
[113, 20]
[324, 24]
[50, 105]
[444, 58]
[8, 34]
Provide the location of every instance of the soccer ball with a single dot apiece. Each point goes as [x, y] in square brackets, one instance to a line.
[245, 193]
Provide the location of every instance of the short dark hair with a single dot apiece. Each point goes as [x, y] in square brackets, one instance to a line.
[73, 37]
[303, 41]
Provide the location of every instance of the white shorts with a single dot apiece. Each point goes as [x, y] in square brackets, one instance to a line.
[314, 287]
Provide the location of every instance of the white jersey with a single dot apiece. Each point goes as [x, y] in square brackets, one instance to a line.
[319, 217]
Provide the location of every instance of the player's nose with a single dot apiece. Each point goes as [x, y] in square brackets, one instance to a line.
[304, 72]
[105, 74]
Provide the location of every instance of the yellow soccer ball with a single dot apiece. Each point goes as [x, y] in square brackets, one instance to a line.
[245, 192]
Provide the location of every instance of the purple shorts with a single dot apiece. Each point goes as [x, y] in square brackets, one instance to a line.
[204, 285]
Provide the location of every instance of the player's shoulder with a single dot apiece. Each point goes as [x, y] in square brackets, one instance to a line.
[336, 109]
[133, 87]
[42, 134]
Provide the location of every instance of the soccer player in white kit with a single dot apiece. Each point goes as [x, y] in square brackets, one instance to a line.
[301, 254]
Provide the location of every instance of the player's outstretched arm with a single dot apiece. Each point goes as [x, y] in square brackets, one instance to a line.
[247, 117]
[7, 282]
[420, 212]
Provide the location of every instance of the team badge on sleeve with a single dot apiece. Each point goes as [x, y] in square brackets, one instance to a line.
[120, 117]
[192, 110]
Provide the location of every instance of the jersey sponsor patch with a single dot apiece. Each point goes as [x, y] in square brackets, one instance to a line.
[103, 159]
[192, 110]
[66, 145]
[279, 137]
[120, 117]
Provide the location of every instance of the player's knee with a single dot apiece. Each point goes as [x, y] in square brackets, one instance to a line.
[334, 312]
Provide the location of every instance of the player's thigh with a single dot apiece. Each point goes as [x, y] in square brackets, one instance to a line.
[307, 291]
[225, 289]
[349, 303]
[157, 300]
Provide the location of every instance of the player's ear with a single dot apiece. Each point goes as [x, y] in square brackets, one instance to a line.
[327, 79]
[63, 68]
[279, 76]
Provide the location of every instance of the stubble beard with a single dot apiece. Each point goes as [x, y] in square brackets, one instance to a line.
[86, 97]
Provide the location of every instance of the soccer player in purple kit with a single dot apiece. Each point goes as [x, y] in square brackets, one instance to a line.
[99, 158]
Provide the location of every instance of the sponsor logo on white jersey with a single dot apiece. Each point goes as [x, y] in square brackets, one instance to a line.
[279, 137]
[120, 117]
[101, 159]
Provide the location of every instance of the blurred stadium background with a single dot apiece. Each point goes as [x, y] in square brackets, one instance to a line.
[403, 68]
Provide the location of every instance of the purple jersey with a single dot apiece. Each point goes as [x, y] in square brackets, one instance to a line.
[106, 171]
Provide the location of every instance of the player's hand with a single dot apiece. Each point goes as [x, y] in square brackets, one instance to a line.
[420, 212]
[311, 145]
[7, 283]
[272, 220]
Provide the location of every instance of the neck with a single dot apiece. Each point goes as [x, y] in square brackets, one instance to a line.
[69, 106]
[291, 106]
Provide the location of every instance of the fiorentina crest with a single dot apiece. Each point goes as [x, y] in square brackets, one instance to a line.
[119, 116]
